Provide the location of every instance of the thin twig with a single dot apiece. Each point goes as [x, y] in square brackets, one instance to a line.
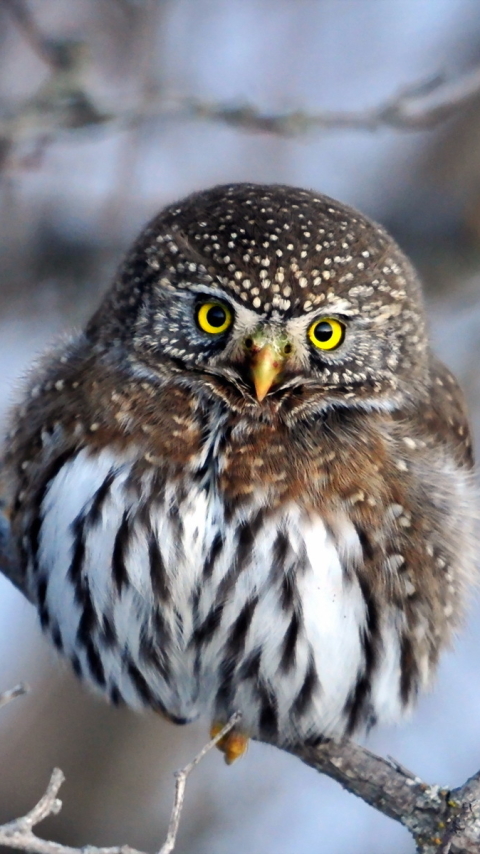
[19, 832]
[181, 778]
[13, 693]
[26, 22]
[48, 804]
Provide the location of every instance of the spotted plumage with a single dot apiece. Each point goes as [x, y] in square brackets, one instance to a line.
[247, 484]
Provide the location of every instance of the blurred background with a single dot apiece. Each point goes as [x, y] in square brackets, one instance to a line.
[108, 110]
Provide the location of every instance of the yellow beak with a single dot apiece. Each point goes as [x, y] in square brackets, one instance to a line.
[266, 365]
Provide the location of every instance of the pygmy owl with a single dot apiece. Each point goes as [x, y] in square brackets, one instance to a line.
[247, 484]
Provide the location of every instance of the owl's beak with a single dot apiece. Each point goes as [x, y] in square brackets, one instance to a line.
[266, 364]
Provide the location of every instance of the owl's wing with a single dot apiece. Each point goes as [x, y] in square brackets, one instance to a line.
[446, 413]
[10, 564]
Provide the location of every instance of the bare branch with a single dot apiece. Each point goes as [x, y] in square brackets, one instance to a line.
[19, 833]
[423, 809]
[463, 834]
[26, 22]
[63, 104]
[13, 693]
[427, 105]
[419, 107]
[48, 804]
[181, 778]
[440, 821]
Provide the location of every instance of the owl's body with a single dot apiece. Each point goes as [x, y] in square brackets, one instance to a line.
[200, 539]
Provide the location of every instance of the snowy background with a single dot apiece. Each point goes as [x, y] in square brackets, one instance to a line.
[69, 211]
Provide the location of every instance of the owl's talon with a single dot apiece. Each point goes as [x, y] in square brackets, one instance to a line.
[233, 745]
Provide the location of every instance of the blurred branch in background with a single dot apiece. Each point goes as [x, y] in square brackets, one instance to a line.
[63, 103]
[419, 106]
[50, 51]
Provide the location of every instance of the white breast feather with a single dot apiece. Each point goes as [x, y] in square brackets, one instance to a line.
[332, 606]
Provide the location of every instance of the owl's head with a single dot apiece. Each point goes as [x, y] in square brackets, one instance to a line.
[270, 296]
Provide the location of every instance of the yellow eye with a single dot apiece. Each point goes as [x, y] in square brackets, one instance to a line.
[327, 333]
[214, 317]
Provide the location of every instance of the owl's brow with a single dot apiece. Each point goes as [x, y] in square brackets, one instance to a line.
[339, 306]
[212, 290]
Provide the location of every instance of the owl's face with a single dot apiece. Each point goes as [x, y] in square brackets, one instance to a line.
[207, 329]
[270, 293]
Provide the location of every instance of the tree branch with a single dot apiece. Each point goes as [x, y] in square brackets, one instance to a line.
[9, 563]
[181, 778]
[440, 821]
[41, 45]
[19, 833]
[13, 693]
[63, 103]
[388, 787]
[420, 106]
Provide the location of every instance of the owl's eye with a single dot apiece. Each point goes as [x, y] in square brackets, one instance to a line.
[327, 333]
[214, 317]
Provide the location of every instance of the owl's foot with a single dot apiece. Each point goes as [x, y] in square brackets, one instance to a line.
[233, 745]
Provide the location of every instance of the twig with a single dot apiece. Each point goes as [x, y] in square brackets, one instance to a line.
[403, 770]
[19, 833]
[13, 693]
[63, 103]
[48, 804]
[181, 778]
[45, 48]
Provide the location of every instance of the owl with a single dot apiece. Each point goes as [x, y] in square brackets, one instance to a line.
[246, 485]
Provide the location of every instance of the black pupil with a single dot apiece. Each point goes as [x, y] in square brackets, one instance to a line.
[323, 332]
[216, 315]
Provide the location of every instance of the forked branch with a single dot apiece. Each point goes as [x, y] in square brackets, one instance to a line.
[63, 103]
[19, 833]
